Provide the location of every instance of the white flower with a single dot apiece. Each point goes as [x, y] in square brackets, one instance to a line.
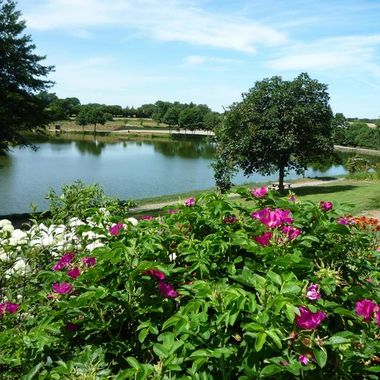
[18, 237]
[93, 245]
[75, 222]
[133, 221]
[5, 222]
[3, 255]
[7, 228]
[104, 211]
[19, 267]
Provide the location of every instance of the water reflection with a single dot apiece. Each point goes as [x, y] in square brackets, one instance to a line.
[125, 167]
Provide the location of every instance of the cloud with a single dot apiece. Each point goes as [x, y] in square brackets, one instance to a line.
[196, 60]
[169, 20]
[330, 54]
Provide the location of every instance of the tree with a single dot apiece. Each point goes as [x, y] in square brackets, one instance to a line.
[279, 125]
[191, 118]
[21, 77]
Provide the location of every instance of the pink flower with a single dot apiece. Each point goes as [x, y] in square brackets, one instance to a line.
[344, 220]
[73, 273]
[115, 229]
[264, 238]
[292, 198]
[326, 206]
[62, 288]
[146, 217]
[232, 219]
[190, 202]
[64, 261]
[313, 292]
[172, 211]
[291, 232]
[378, 249]
[308, 320]
[89, 261]
[303, 359]
[167, 290]
[272, 218]
[154, 273]
[8, 307]
[377, 317]
[365, 308]
[58, 266]
[260, 192]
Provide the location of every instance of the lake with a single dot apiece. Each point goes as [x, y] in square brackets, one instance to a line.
[128, 169]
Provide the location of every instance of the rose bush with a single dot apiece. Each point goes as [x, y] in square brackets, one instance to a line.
[220, 289]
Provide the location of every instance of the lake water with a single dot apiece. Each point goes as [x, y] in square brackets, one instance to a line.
[126, 169]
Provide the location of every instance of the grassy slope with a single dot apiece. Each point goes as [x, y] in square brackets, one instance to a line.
[362, 195]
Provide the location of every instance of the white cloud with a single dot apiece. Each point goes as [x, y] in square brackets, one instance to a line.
[169, 20]
[196, 60]
[330, 54]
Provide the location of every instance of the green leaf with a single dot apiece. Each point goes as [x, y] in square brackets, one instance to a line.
[320, 356]
[373, 369]
[143, 334]
[133, 362]
[33, 372]
[270, 369]
[260, 341]
[253, 326]
[277, 341]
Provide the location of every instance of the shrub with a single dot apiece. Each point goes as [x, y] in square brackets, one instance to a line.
[214, 289]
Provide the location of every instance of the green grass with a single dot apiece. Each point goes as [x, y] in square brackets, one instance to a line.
[362, 195]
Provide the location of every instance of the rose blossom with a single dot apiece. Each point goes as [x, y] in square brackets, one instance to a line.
[291, 232]
[273, 218]
[90, 261]
[154, 273]
[308, 320]
[146, 217]
[313, 292]
[344, 220]
[260, 192]
[115, 229]
[365, 308]
[73, 273]
[303, 359]
[167, 290]
[64, 261]
[62, 288]
[190, 202]
[8, 307]
[326, 206]
[264, 238]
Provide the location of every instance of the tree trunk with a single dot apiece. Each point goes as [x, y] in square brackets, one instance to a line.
[281, 176]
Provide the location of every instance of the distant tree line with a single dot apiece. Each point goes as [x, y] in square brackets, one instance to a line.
[189, 116]
[356, 133]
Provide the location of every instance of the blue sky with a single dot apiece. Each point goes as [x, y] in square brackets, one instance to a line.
[130, 52]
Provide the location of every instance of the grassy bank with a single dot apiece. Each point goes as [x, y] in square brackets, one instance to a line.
[362, 195]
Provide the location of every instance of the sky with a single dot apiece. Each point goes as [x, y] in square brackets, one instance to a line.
[131, 52]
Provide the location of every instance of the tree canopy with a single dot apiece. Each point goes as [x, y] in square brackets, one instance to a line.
[279, 125]
[21, 77]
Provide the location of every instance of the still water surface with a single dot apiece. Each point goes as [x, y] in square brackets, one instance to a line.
[126, 169]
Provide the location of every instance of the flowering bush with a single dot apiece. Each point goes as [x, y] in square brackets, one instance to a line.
[220, 289]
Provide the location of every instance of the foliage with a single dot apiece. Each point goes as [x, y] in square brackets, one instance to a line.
[21, 75]
[80, 201]
[355, 134]
[279, 125]
[210, 290]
